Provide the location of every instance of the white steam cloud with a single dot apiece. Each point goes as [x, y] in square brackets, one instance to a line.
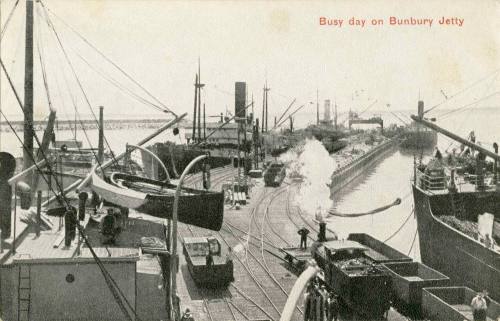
[314, 165]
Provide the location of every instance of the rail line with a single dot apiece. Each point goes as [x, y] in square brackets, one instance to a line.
[255, 265]
[227, 303]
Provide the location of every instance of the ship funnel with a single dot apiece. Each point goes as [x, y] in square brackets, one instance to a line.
[240, 90]
[420, 109]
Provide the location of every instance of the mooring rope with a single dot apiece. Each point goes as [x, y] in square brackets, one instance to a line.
[374, 211]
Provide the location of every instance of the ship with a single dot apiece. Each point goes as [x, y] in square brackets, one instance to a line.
[417, 136]
[226, 141]
[326, 130]
[458, 215]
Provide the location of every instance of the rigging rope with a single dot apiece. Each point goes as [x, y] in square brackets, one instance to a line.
[375, 211]
[469, 104]
[163, 107]
[109, 280]
[51, 25]
[413, 242]
[461, 91]
[107, 277]
[119, 86]
[50, 103]
[9, 17]
[400, 227]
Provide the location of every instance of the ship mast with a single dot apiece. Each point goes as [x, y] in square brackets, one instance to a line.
[455, 137]
[28, 88]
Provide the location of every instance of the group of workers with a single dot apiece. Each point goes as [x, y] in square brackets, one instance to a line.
[319, 304]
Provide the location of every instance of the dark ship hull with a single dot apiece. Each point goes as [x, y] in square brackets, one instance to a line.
[459, 256]
[419, 139]
[177, 157]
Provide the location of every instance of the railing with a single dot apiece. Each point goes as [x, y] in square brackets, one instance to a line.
[440, 182]
[430, 182]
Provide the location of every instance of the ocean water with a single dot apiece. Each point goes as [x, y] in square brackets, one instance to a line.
[391, 178]
[387, 180]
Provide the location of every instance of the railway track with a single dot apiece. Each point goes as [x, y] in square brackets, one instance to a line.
[222, 308]
[260, 278]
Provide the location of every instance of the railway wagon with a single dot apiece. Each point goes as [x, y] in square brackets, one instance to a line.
[378, 251]
[408, 280]
[361, 283]
[274, 174]
[453, 304]
[209, 263]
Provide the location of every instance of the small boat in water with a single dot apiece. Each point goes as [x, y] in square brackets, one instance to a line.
[201, 208]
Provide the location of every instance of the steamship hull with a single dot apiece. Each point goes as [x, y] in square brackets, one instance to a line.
[419, 139]
[177, 157]
[462, 258]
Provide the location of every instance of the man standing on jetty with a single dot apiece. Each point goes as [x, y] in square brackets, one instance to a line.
[303, 237]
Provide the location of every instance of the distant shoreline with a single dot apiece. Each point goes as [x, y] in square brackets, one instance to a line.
[109, 124]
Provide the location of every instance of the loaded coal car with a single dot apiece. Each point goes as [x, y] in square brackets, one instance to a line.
[274, 174]
[361, 283]
[209, 263]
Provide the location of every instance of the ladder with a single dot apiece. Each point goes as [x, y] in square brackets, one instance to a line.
[24, 293]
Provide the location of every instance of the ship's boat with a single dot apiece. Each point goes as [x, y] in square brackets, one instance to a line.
[201, 208]
[274, 174]
[361, 283]
[209, 263]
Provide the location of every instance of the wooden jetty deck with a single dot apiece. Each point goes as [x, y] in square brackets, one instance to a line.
[263, 278]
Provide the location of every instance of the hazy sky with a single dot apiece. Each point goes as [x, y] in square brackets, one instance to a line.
[159, 42]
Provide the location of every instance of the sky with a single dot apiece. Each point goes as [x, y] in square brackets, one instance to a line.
[158, 43]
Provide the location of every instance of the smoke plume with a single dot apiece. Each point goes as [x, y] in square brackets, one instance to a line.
[313, 164]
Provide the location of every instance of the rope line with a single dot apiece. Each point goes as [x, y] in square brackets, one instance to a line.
[461, 91]
[162, 106]
[9, 17]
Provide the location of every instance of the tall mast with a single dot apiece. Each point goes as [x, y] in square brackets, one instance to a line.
[336, 115]
[263, 108]
[199, 101]
[266, 90]
[193, 137]
[204, 124]
[28, 88]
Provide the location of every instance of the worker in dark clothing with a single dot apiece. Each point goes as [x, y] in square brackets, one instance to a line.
[307, 304]
[210, 260]
[323, 296]
[303, 237]
[333, 308]
[187, 316]
[438, 154]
